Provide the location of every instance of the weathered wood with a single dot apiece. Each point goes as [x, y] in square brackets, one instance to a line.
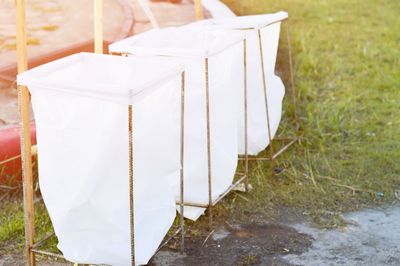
[23, 102]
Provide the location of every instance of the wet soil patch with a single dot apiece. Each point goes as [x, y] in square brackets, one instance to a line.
[251, 244]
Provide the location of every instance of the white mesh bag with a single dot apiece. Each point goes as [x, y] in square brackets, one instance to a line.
[80, 105]
[222, 52]
[269, 27]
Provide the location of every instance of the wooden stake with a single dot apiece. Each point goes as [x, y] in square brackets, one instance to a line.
[98, 26]
[25, 136]
[198, 9]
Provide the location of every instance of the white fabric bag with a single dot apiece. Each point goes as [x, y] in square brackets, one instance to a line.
[81, 109]
[192, 48]
[269, 26]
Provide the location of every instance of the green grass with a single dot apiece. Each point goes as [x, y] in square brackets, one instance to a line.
[12, 226]
[347, 68]
[12, 219]
[347, 65]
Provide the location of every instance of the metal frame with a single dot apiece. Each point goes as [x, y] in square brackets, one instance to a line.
[246, 157]
[131, 186]
[33, 248]
[242, 176]
[182, 153]
[290, 139]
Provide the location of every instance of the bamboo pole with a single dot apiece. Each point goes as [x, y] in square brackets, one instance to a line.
[25, 136]
[198, 9]
[98, 26]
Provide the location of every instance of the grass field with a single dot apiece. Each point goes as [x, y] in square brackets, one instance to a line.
[347, 66]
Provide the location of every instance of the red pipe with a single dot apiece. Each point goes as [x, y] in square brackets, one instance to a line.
[10, 172]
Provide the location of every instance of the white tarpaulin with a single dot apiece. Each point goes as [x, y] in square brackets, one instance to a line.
[81, 109]
[257, 120]
[223, 51]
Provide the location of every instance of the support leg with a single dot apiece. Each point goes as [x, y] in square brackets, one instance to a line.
[131, 186]
[210, 203]
[293, 85]
[181, 204]
[271, 148]
[246, 155]
[26, 156]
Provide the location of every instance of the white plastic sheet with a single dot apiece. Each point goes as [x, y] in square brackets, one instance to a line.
[192, 47]
[80, 106]
[269, 27]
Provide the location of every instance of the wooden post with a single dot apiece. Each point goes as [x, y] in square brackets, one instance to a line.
[98, 26]
[198, 9]
[25, 136]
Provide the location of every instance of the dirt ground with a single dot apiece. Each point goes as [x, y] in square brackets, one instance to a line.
[249, 244]
[370, 237]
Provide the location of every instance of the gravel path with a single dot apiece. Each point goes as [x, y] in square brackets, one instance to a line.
[371, 238]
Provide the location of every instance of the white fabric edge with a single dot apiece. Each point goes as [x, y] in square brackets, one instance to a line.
[28, 79]
[127, 46]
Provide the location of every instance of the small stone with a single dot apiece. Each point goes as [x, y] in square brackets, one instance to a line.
[397, 194]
